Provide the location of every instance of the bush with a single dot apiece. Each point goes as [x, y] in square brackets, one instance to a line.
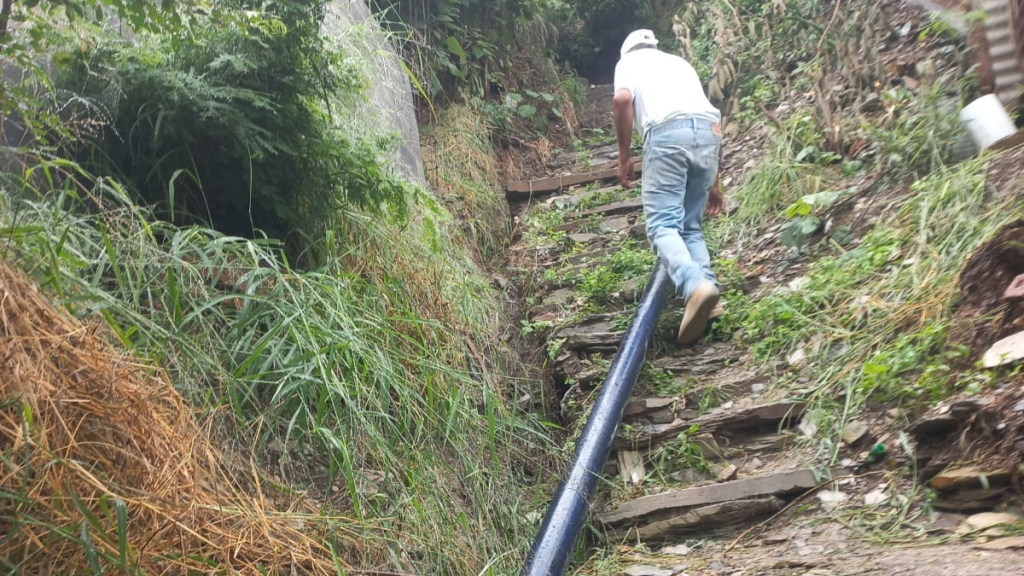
[233, 125]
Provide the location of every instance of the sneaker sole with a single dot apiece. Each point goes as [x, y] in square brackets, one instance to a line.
[695, 320]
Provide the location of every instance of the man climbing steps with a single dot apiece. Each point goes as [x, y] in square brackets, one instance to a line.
[662, 96]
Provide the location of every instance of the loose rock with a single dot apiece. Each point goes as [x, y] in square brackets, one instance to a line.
[728, 473]
[1005, 351]
[990, 519]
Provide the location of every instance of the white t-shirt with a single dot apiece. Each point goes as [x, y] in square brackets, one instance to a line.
[663, 86]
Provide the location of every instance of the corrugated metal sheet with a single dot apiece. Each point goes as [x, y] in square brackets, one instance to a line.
[1004, 33]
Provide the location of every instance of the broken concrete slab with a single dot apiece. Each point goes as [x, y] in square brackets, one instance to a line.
[854, 432]
[712, 517]
[778, 484]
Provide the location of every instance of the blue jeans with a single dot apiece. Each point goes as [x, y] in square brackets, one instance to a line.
[680, 166]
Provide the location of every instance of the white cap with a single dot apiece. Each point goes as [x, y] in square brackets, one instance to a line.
[636, 38]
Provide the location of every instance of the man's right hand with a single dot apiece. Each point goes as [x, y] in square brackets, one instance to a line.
[625, 172]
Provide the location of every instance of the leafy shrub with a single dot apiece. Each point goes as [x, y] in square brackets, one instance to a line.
[233, 125]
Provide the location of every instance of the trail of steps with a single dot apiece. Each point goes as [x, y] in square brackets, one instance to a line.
[708, 447]
[704, 397]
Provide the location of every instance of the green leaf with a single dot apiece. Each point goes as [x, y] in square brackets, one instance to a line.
[796, 233]
[527, 111]
[532, 94]
[90, 550]
[455, 48]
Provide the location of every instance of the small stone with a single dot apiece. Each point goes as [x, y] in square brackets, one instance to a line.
[855, 432]
[757, 388]
[1008, 543]
[583, 238]
[1005, 351]
[1019, 446]
[893, 413]
[926, 68]
[677, 550]
[831, 499]
[990, 519]
[1016, 289]
[797, 357]
[807, 428]
[524, 402]
[797, 284]
[1019, 406]
[728, 473]
[875, 497]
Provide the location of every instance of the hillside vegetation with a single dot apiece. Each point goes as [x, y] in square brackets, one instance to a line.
[238, 337]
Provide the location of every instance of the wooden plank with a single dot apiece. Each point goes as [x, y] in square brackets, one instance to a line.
[782, 483]
[528, 188]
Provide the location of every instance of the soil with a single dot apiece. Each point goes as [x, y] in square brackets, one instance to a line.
[984, 315]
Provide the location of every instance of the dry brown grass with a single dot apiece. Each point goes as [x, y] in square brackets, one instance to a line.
[83, 426]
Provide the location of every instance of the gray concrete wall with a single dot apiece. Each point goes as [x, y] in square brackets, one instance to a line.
[390, 103]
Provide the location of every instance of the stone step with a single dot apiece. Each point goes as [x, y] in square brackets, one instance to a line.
[526, 189]
[611, 224]
[621, 207]
[595, 331]
[698, 360]
[654, 410]
[721, 421]
[687, 509]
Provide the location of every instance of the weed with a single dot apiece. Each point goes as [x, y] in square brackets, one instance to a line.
[681, 454]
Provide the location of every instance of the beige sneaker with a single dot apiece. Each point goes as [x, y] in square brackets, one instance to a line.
[698, 309]
[718, 311]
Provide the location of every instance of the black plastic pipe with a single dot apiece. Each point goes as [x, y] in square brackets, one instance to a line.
[554, 544]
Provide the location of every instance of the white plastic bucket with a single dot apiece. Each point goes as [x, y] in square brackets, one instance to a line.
[987, 121]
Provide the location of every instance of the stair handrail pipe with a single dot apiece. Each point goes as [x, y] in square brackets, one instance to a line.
[554, 544]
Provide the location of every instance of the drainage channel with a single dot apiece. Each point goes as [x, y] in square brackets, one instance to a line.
[551, 549]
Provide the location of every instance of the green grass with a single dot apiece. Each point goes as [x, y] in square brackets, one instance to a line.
[872, 320]
[365, 360]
